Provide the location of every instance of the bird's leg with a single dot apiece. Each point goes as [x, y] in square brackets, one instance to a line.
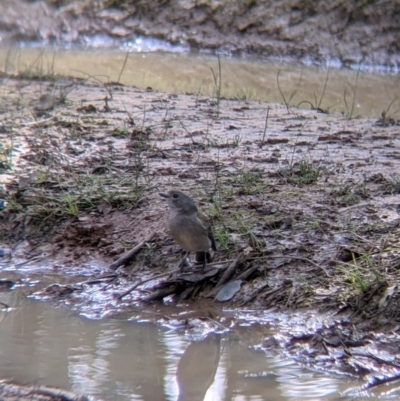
[204, 267]
[183, 262]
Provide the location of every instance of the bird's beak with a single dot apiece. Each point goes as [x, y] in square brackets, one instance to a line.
[163, 195]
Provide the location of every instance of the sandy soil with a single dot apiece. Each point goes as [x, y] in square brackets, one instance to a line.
[345, 32]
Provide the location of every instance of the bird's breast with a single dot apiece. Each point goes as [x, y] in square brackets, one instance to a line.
[189, 233]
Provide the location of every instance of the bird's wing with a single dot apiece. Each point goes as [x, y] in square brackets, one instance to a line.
[207, 226]
[212, 239]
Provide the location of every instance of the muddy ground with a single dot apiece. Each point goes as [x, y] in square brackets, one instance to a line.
[304, 204]
[304, 207]
[342, 32]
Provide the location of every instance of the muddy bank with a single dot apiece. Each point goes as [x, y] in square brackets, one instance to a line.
[342, 32]
[304, 206]
[302, 195]
[309, 200]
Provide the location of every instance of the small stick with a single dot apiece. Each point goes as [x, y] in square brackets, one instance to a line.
[217, 323]
[380, 381]
[231, 269]
[160, 294]
[5, 306]
[99, 279]
[129, 255]
[140, 282]
[256, 292]
[266, 294]
[376, 358]
[247, 273]
[293, 257]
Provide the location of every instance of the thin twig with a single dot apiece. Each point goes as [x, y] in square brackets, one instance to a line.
[293, 257]
[160, 294]
[380, 381]
[265, 128]
[217, 323]
[140, 282]
[99, 279]
[247, 273]
[281, 92]
[129, 255]
[123, 66]
[323, 90]
[355, 92]
[4, 305]
[231, 269]
[266, 294]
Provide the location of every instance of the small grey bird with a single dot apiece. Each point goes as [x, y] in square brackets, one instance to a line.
[188, 227]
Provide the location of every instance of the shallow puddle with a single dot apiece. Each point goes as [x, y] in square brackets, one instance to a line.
[355, 93]
[122, 359]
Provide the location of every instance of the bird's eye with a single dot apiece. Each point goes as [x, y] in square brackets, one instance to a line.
[175, 196]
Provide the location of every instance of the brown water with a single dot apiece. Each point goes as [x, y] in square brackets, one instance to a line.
[351, 92]
[121, 359]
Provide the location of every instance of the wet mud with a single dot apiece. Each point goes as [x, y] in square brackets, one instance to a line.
[303, 204]
[341, 32]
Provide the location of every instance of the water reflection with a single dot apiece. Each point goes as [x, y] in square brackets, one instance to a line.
[351, 92]
[197, 367]
[116, 359]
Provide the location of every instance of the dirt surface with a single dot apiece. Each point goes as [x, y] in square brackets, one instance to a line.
[343, 32]
[304, 207]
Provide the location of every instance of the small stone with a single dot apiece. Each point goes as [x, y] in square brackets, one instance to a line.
[228, 291]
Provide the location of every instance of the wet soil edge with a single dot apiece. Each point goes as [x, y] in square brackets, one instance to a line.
[345, 32]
